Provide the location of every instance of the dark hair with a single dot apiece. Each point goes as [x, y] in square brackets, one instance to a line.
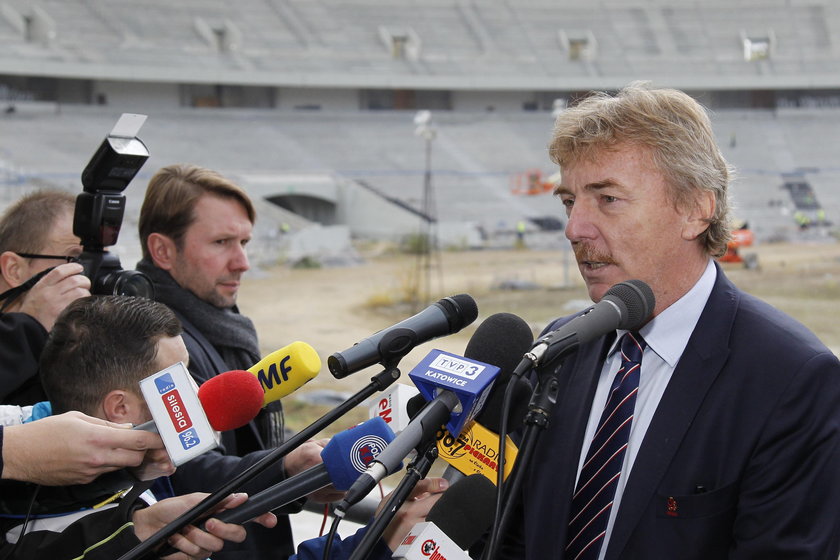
[171, 196]
[102, 343]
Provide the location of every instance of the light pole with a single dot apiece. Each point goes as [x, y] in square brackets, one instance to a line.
[427, 236]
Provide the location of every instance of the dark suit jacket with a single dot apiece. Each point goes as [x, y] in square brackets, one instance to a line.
[240, 449]
[744, 448]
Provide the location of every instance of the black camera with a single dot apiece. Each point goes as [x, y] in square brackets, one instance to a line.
[100, 208]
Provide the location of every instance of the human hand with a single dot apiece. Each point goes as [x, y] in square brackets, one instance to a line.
[56, 290]
[156, 463]
[306, 456]
[73, 448]
[191, 541]
[414, 510]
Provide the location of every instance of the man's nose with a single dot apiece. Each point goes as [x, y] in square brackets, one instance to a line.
[239, 261]
[580, 224]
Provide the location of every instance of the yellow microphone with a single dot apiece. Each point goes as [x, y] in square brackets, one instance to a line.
[286, 370]
[475, 451]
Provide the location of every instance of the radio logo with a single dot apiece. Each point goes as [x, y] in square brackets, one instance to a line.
[180, 419]
[164, 383]
[365, 450]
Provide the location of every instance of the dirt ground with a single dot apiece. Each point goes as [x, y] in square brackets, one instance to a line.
[332, 308]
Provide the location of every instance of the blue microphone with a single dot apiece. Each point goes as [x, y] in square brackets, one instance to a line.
[456, 389]
[346, 456]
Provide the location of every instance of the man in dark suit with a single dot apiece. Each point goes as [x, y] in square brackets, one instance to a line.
[731, 449]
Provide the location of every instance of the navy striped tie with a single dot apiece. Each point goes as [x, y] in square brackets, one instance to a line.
[601, 470]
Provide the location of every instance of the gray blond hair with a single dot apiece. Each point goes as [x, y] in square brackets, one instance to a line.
[670, 123]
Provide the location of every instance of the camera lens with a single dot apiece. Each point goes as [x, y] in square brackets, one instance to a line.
[126, 283]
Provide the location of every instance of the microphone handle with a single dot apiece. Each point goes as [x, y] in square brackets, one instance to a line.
[282, 493]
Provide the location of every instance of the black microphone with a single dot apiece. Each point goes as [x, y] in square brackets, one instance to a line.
[501, 339]
[627, 305]
[455, 523]
[492, 340]
[442, 318]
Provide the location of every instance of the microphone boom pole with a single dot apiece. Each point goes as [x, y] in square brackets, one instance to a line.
[415, 472]
[379, 382]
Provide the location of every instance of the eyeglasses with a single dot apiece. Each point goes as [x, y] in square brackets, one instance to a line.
[60, 257]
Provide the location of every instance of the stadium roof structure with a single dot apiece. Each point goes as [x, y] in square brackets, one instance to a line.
[498, 45]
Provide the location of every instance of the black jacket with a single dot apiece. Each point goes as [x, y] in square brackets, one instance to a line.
[22, 340]
[239, 450]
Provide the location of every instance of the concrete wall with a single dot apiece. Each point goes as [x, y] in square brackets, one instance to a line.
[369, 215]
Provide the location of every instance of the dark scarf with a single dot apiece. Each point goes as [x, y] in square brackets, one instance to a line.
[232, 335]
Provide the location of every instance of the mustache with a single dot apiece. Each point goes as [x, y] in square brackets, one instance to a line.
[587, 253]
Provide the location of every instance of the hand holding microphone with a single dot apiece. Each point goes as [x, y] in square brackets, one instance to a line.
[346, 455]
[454, 523]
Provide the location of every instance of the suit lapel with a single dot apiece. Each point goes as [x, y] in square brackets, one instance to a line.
[699, 366]
[557, 460]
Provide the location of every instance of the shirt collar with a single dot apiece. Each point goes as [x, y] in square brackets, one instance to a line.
[667, 334]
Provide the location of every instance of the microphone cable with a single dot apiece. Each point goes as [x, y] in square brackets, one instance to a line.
[25, 522]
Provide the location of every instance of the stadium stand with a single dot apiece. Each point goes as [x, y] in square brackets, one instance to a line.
[280, 95]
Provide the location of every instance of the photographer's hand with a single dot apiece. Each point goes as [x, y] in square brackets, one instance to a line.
[55, 291]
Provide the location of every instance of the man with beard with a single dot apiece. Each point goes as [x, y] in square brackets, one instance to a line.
[711, 432]
[194, 226]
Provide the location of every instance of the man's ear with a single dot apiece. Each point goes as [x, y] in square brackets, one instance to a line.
[162, 250]
[699, 215]
[13, 268]
[117, 407]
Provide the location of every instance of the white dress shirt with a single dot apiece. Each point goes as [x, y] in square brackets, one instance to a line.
[666, 336]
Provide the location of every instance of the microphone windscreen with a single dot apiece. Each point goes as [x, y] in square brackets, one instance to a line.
[461, 310]
[414, 405]
[286, 370]
[491, 413]
[466, 510]
[501, 340]
[637, 300]
[348, 453]
[231, 399]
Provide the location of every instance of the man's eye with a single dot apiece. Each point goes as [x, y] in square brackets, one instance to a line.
[568, 202]
[608, 198]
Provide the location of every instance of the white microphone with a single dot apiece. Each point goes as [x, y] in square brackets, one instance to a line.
[456, 522]
[392, 406]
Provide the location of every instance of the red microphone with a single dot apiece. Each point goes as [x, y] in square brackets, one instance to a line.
[231, 399]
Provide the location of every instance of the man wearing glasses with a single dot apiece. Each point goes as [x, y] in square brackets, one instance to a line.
[36, 235]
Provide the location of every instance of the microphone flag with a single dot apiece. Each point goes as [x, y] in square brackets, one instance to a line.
[470, 380]
[172, 397]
